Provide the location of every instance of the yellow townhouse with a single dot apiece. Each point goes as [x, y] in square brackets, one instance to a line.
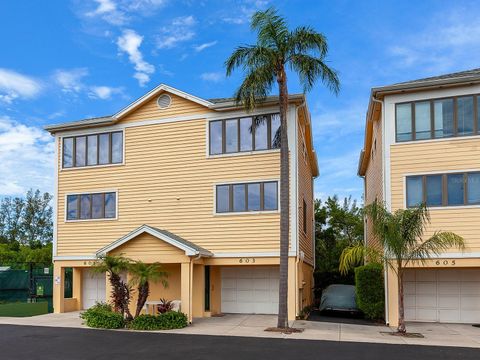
[190, 183]
[422, 144]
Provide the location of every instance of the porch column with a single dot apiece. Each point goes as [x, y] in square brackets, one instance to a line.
[77, 287]
[58, 288]
[292, 289]
[186, 289]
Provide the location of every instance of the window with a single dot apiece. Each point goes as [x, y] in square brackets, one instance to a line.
[92, 206]
[304, 216]
[414, 191]
[244, 134]
[438, 118]
[404, 122]
[245, 197]
[422, 121]
[91, 150]
[444, 189]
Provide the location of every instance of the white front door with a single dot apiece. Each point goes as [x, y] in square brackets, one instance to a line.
[250, 289]
[93, 289]
[443, 295]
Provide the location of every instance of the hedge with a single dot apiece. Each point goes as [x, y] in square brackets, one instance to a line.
[101, 316]
[370, 290]
[167, 321]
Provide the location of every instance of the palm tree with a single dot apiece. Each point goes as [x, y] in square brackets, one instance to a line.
[142, 274]
[114, 265]
[303, 51]
[400, 235]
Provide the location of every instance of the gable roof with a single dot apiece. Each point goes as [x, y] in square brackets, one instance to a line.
[219, 104]
[190, 248]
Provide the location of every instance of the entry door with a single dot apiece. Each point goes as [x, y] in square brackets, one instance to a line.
[94, 288]
[443, 295]
[250, 289]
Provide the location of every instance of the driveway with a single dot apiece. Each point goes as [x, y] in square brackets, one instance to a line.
[33, 342]
[239, 325]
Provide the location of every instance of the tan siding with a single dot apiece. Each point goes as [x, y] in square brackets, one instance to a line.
[305, 192]
[439, 156]
[374, 177]
[168, 182]
[178, 107]
[146, 244]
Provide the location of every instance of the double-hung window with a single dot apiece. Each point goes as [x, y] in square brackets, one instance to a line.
[247, 197]
[94, 149]
[252, 133]
[92, 206]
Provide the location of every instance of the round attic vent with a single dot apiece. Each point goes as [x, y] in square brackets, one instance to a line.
[164, 101]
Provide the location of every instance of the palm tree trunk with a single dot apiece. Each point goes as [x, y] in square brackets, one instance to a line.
[143, 291]
[401, 309]
[284, 202]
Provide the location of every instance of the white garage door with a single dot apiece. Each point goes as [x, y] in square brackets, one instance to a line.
[450, 295]
[250, 290]
[93, 289]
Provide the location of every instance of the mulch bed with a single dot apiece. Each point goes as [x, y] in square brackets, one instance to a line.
[284, 331]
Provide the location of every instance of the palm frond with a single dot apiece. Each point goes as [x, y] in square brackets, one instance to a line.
[249, 57]
[305, 39]
[255, 87]
[440, 242]
[354, 255]
[271, 28]
[310, 69]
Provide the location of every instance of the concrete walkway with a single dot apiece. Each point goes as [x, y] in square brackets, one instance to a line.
[255, 325]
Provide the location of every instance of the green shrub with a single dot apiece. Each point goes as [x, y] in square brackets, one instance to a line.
[370, 290]
[101, 316]
[167, 321]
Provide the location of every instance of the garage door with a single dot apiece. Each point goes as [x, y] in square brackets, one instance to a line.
[250, 290]
[450, 295]
[93, 289]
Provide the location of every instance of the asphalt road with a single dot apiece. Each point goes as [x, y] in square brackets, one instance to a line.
[28, 342]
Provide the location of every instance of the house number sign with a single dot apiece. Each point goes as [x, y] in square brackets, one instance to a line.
[445, 262]
[246, 260]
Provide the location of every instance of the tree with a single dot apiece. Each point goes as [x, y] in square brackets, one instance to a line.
[114, 265]
[302, 50]
[27, 221]
[142, 274]
[338, 225]
[401, 237]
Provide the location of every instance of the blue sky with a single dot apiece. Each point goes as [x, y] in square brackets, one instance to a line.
[66, 60]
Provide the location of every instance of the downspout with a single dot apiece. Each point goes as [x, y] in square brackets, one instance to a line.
[385, 268]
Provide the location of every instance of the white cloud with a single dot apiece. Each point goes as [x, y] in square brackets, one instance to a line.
[244, 12]
[212, 76]
[104, 92]
[448, 41]
[30, 151]
[129, 42]
[121, 12]
[14, 85]
[204, 46]
[179, 30]
[70, 80]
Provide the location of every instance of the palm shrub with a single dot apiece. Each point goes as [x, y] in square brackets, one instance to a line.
[302, 51]
[141, 276]
[114, 265]
[402, 242]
